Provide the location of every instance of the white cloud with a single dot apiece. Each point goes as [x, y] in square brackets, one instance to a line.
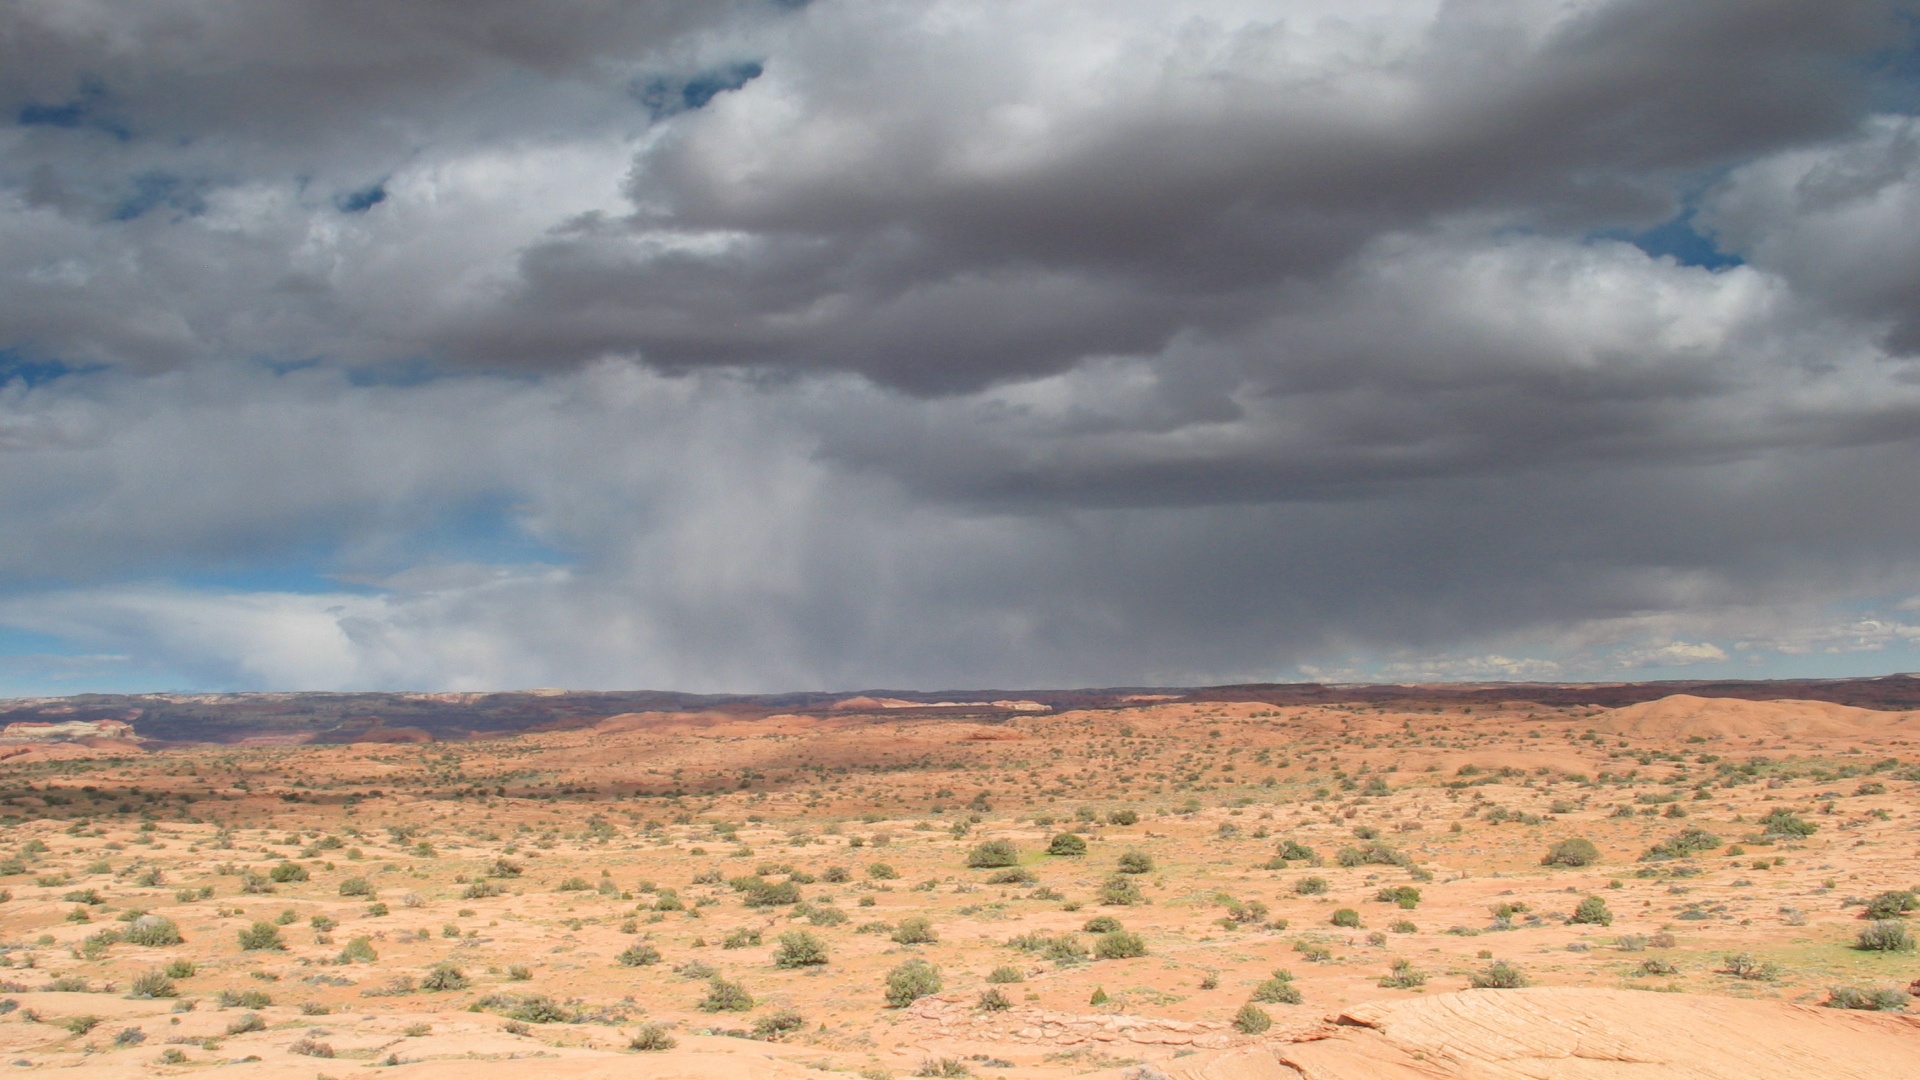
[1672, 654]
[1854, 636]
[1457, 669]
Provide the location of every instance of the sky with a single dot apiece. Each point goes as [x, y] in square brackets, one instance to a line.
[759, 345]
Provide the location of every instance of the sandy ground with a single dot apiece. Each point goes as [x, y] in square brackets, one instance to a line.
[529, 865]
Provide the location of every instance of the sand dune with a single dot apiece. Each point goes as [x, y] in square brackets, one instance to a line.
[1682, 716]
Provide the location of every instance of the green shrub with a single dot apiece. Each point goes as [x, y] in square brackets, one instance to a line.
[1006, 973]
[1066, 843]
[1290, 850]
[777, 1023]
[1498, 975]
[1374, 854]
[1119, 945]
[799, 949]
[1314, 952]
[249, 1022]
[1574, 852]
[1250, 913]
[1745, 966]
[772, 894]
[1101, 924]
[1592, 912]
[741, 938]
[724, 996]
[1882, 999]
[992, 1000]
[1013, 876]
[1346, 917]
[96, 944]
[181, 969]
[1782, 822]
[882, 872]
[288, 871]
[80, 1025]
[1404, 976]
[1885, 935]
[1136, 862]
[638, 954]
[356, 886]
[152, 931]
[992, 854]
[651, 1038]
[1251, 1019]
[1064, 950]
[1122, 817]
[443, 977]
[1310, 886]
[1681, 845]
[358, 949]
[1121, 891]
[910, 982]
[539, 1009]
[261, 936]
[1406, 896]
[1889, 905]
[1278, 990]
[243, 999]
[915, 930]
[152, 984]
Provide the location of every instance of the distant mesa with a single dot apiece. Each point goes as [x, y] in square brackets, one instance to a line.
[68, 730]
[864, 703]
[372, 729]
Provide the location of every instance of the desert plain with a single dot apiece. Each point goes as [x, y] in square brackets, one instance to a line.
[1158, 886]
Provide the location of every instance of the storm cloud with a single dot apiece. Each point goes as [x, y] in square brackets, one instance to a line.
[764, 345]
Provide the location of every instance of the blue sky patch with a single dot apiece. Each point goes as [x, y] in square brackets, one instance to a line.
[152, 190]
[359, 202]
[80, 111]
[71, 113]
[1678, 238]
[34, 370]
[665, 97]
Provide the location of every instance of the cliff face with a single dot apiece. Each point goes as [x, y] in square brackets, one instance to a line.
[30, 731]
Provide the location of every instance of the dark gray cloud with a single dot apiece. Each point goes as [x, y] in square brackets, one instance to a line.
[754, 346]
[283, 72]
[866, 213]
